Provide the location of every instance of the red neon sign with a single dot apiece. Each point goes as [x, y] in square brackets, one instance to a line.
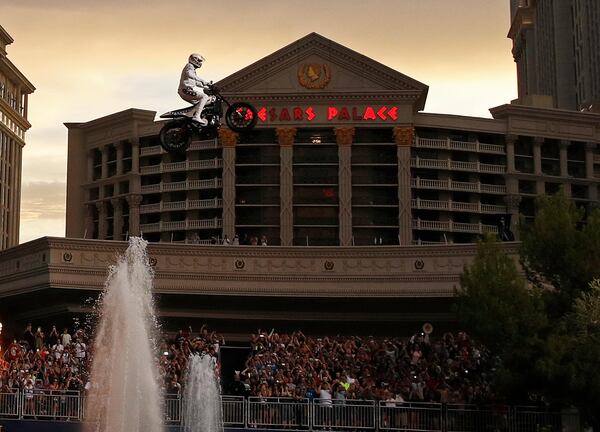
[332, 113]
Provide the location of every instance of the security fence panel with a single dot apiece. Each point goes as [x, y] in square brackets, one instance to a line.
[234, 411]
[467, 418]
[51, 404]
[9, 405]
[409, 416]
[278, 413]
[173, 407]
[526, 419]
[343, 415]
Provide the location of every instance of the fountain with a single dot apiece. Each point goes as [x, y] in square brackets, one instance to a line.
[202, 408]
[125, 395]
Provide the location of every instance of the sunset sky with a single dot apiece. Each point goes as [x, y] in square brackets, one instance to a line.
[91, 58]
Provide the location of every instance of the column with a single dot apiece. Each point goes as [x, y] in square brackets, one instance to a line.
[512, 202]
[90, 166]
[89, 222]
[228, 140]
[134, 202]
[564, 164]
[120, 158]
[117, 205]
[589, 170]
[104, 150]
[102, 222]
[135, 155]
[285, 137]
[344, 136]
[540, 187]
[510, 153]
[404, 138]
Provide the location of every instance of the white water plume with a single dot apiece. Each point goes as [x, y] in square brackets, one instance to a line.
[202, 409]
[125, 395]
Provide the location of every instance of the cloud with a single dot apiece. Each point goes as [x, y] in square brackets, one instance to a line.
[43, 201]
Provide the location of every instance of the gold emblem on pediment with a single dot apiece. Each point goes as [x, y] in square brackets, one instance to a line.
[314, 75]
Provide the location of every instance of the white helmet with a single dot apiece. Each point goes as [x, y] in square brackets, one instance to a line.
[196, 59]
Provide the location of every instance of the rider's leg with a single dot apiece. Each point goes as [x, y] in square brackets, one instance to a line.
[197, 116]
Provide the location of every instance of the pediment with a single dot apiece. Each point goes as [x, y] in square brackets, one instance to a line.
[317, 67]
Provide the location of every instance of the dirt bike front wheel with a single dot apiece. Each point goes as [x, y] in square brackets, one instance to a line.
[241, 116]
[175, 136]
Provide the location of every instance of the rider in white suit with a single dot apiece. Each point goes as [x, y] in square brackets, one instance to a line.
[191, 88]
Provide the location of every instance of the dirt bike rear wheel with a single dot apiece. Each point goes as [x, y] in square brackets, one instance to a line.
[175, 136]
[241, 116]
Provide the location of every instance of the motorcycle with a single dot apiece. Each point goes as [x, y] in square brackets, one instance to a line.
[176, 135]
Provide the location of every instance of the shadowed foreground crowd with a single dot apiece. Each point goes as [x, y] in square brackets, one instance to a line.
[452, 369]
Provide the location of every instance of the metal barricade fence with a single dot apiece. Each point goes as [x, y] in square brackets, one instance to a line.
[467, 418]
[409, 416]
[234, 411]
[9, 405]
[173, 407]
[278, 413]
[343, 414]
[51, 404]
[301, 414]
[532, 419]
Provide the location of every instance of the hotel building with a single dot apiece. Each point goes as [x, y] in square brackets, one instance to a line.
[14, 91]
[342, 155]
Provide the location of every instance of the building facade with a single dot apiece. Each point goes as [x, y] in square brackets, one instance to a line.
[14, 92]
[556, 46]
[342, 156]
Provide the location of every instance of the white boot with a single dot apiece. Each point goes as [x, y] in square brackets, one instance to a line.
[198, 113]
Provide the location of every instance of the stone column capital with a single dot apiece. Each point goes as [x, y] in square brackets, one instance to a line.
[227, 137]
[404, 135]
[344, 135]
[100, 205]
[538, 141]
[134, 200]
[512, 202]
[285, 136]
[117, 203]
[511, 138]
[590, 146]
[564, 144]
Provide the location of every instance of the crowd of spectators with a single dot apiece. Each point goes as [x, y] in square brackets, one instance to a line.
[54, 361]
[452, 369]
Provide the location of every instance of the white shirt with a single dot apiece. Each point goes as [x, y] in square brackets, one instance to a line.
[66, 339]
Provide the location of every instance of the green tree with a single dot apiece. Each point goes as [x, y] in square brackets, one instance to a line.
[495, 305]
[572, 353]
[561, 248]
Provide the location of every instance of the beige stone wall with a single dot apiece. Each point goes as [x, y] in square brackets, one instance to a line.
[413, 271]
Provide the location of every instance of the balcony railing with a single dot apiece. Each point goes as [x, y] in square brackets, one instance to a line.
[450, 205]
[449, 164]
[450, 226]
[182, 166]
[195, 145]
[448, 144]
[215, 183]
[188, 224]
[452, 185]
[182, 205]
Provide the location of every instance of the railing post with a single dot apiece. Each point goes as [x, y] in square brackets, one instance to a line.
[448, 142]
[450, 204]
[449, 183]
